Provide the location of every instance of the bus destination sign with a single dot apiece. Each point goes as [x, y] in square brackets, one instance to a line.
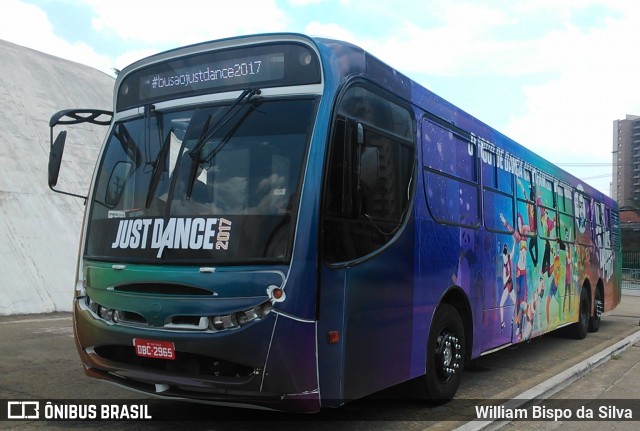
[244, 71]
[262, 66]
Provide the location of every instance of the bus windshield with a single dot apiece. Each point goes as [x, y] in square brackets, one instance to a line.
[215, 184]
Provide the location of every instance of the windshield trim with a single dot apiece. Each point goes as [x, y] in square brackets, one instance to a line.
[314, 90]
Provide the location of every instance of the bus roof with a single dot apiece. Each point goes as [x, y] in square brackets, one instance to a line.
[344, 60]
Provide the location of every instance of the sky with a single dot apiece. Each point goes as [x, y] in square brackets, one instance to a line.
[551, 74]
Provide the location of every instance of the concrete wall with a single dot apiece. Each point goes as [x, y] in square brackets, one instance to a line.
[40, 229]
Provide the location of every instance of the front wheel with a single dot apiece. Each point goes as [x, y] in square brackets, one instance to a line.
[445, 357]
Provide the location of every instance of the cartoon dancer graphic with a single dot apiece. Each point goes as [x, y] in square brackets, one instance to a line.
[548, 226]
[466, 260]
[556, 272]
[531, 212]
[527, 313]
[521, 267]
[565, 251]
[546, 222]
[507, 279]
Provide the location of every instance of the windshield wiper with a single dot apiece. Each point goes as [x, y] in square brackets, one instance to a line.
[211, 154]
[128, 144]
[157, 172]
[210, 131]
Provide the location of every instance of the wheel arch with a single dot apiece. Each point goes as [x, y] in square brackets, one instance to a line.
[458, 299]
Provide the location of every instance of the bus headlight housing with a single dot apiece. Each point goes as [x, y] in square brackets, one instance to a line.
[218, 323]
[241, 318]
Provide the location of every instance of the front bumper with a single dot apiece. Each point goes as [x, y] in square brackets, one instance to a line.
[270, 363]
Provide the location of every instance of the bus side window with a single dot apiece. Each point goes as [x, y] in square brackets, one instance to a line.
[565, 214]
[582, 205]
[526, 203]
[451, 176]
[607, 228]
[599, 225]
[547, 214]
[369, 178]
[498, 194]
[338, 188]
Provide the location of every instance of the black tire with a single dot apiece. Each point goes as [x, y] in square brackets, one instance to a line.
[594, 321]
[446, 351]
[579, 329]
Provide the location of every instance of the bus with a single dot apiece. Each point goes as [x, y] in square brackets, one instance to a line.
[287, 222]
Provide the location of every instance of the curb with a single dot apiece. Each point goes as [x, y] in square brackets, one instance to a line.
[555, 384]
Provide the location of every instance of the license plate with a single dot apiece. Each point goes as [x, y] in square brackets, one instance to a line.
[154, 349]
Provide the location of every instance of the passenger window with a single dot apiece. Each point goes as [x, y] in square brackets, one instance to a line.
[582, 205]
[547, 210]
[451, 178]
[565, 214]
[498, 193]
[526, 204]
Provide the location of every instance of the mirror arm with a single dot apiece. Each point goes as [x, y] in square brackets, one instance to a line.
[70, 194]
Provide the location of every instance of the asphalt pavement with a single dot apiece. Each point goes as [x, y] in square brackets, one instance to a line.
[39, 362]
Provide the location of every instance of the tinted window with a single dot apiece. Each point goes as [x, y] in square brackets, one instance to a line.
[451, 179]
[369, 180]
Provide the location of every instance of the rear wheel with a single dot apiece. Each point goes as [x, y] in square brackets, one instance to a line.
[594, 322]
[445, 357]
[579, 329]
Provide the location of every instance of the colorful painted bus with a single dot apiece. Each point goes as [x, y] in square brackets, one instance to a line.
[286, 222]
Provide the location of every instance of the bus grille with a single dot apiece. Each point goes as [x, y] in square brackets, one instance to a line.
[163, 289]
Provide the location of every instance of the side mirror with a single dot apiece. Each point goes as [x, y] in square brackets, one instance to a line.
[70, 117]
[55, 158]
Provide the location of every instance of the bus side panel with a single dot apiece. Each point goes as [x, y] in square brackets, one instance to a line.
[436, 253]
[331, 351]
[292, 364]
[379, 319]
[495, 308]
[368, 308]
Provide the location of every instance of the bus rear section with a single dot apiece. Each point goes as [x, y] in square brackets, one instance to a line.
[534, 248]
